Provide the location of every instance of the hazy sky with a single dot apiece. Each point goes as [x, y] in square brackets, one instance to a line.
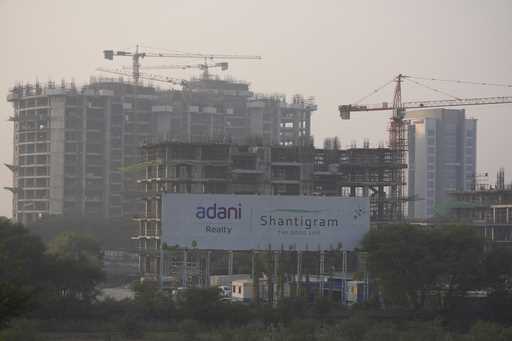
[336, 51]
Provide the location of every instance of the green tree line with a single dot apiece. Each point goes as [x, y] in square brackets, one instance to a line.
[440, 281]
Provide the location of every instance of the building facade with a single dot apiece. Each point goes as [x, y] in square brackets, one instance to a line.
[76, 150]
[489, 209]
[441, 158]
[252, 169]
[220, 111]
[70, 145]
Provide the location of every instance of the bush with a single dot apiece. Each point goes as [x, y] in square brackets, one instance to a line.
[236, 314]
[303, 330]
[383, 332]
[488, 331]
[21, 330]
[291, 308]
[190, 329]
[131, 327]
[201, 305]
[152, 303]
[354, 328]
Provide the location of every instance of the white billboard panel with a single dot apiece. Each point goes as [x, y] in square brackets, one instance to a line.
[262, 222]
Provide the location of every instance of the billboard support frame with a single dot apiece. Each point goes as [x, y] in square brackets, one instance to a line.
[275, 280]
[231, 257]
[299, 272]
[207, 268]
[322, 271]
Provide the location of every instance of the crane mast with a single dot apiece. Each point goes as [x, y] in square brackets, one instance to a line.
[397, 143]
[397, 138]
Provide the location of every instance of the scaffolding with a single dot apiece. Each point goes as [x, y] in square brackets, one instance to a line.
[256, 169]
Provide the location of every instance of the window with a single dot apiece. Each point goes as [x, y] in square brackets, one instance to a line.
[183, 171]
[171, 172]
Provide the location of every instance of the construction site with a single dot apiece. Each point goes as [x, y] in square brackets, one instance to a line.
[488, 208]
[112, 148]
[257, 170]
[375, 173]
[76, 149]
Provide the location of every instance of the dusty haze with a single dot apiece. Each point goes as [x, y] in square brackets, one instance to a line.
[336, 51]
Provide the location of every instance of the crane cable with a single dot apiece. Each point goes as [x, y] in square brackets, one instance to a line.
[374, 91]
[462, 81]
[430, 88]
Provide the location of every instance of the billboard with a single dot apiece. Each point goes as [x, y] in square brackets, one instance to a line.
[263, 222]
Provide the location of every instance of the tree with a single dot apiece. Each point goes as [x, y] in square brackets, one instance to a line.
[21, 259]
[201, 304]
[410, 263]
[153, 303]
[396, 257]
[75, 266]
[113, 233]
[458, 254]
[75, 246]
[496, 279]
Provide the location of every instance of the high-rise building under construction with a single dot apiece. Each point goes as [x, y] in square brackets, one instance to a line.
[76, 149]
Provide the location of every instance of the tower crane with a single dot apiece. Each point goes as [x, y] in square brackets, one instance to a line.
[202, 66]
[397, 139]
[148, 76]
[138, 55]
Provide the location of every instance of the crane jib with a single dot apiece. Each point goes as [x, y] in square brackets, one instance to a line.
[345, 110]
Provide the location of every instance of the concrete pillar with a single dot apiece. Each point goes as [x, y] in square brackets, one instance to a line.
[275, 281]
[344, 275]
[189, 124]
[210, 132]
[230, 262]
[184, 280]
[253, 270]
[299, 271]
[255, 281]
[207, 269]
[161, 263]
[352, 191]
[57, 138]
[321, 272]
